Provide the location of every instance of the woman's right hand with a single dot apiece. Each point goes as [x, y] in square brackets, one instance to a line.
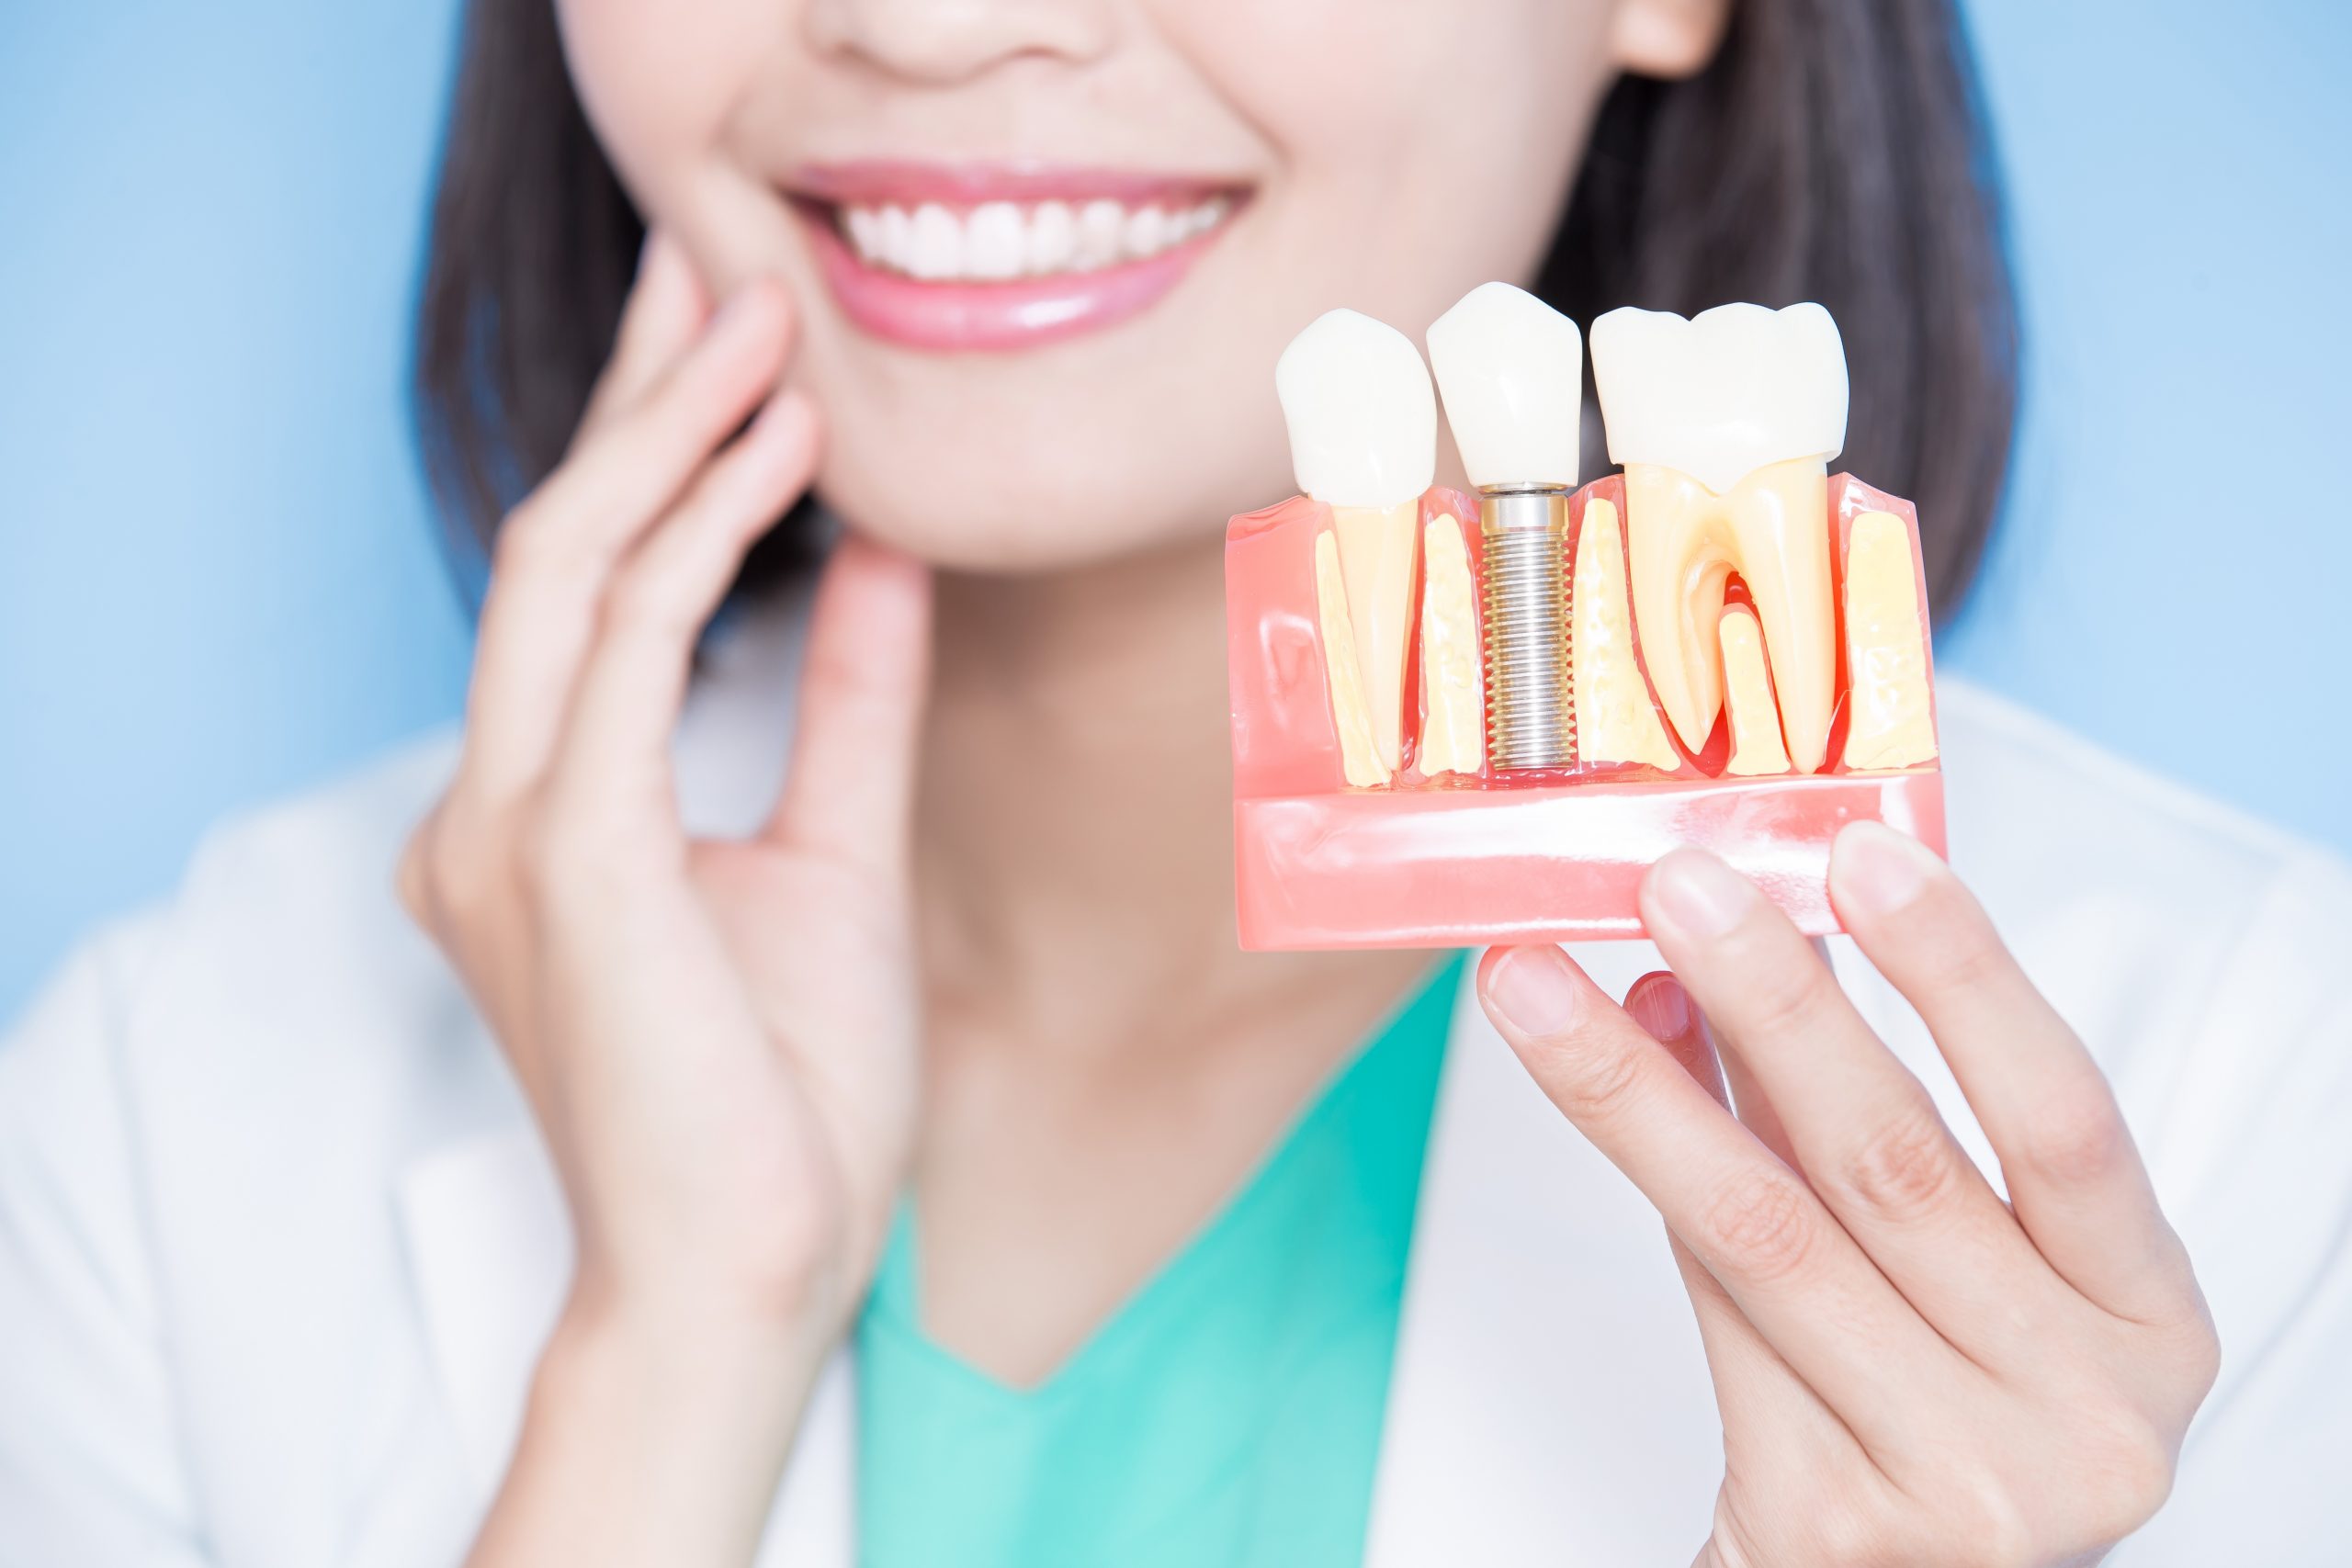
[719, 1038]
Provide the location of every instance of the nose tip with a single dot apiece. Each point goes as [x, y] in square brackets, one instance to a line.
[942, 41]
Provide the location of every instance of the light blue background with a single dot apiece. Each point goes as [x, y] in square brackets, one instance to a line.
[217, 577]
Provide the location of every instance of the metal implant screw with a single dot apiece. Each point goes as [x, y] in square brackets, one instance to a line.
[1523, 587]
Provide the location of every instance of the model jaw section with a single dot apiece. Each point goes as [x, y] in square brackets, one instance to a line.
[1722, 523]
[1745, 667]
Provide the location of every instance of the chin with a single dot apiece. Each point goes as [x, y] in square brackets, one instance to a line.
[1037, 486]
[995, 524]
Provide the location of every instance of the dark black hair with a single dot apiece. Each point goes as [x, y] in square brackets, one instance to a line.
[1832, 150]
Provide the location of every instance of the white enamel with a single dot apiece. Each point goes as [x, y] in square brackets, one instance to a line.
[1511, 369]
[1362, 414]
[993, 240]
[1723, 393]
[1001, 240]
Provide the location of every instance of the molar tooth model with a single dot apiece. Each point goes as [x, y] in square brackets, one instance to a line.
[1446, 733]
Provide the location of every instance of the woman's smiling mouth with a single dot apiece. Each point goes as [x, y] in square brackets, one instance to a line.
[975, 256]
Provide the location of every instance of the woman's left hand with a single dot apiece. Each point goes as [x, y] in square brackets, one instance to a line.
[1908, 1369]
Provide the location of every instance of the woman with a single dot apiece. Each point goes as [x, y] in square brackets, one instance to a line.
[897, 1160]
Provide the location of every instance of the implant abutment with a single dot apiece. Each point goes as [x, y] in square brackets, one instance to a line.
[1523, 594]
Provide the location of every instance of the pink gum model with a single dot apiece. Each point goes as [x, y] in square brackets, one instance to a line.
[1554, 855]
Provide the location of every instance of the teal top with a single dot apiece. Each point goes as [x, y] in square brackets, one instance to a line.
[1229, 1413]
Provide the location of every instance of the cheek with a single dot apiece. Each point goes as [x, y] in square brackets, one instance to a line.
[660, 83]
[1453, 125]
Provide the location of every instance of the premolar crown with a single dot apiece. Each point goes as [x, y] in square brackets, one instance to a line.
[1363, 438]
[1511, 369]
[1724, 392]
[1362, 414]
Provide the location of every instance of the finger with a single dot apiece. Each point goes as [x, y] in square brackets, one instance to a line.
[850, 794]
[1757, 1391]
[557, 553]
[1863, 1131]
[2074, 1178]
[1796, 1276]
[1749, 1101]
[613, 761]
[667, 307]
[1658, 1003]
[1759, 1397]
[1673, 1018]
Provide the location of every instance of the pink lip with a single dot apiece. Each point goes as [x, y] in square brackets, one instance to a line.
[1021, 313]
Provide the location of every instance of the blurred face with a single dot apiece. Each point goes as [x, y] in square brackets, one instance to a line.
[1048, 251]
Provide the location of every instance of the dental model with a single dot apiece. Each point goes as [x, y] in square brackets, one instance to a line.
[1364, 440]
[1513, 370]
[1446, 734]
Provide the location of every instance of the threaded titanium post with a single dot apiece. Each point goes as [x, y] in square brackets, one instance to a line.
[1524, 589]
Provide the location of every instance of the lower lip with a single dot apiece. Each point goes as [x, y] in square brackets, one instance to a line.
[997, 316]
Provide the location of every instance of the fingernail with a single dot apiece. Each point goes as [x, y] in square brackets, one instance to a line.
[1657, 1002]
[1536, 989]
[1878, 870]
[1700, 894]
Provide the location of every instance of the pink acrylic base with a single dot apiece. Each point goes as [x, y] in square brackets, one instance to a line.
[1447, 868]
[1455, 860]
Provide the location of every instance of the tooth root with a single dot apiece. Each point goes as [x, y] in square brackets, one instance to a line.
[1780, 517]
[1615, 720]
[1748, 693]
[1680, 559]
[1351, 717]
[1772, 529]
[1452, 728]
[1890, 725]
[1375, 548]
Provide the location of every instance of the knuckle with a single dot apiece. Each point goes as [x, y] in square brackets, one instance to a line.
[1906, 1170]
[1967, 955]
[1591, 1078]
[1845, 1531]
[525, 541]
[2077, 1139]
[1980, 1522]
[451, 871]
[647, 602]
[1791, 999]
[2201, 1356]
[1759, 1226]
[2128, 1474]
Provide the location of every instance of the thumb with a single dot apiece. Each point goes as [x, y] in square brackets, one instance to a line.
[849, 794]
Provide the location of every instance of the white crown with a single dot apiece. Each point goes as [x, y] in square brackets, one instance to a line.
[1723, 393]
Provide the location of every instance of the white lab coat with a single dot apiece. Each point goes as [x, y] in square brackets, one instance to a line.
[278, 1241]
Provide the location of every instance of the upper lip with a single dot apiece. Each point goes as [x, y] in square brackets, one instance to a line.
[876, 182]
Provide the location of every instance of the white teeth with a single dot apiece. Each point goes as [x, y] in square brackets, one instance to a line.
[1053, 237]
[865, 233]
[898, 247]
[999, 241]
[1723, 393]
[1512, 371]
[1101, 225]
[993, 240]
[938, 243]
[1147, 230]
[1362, 414]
